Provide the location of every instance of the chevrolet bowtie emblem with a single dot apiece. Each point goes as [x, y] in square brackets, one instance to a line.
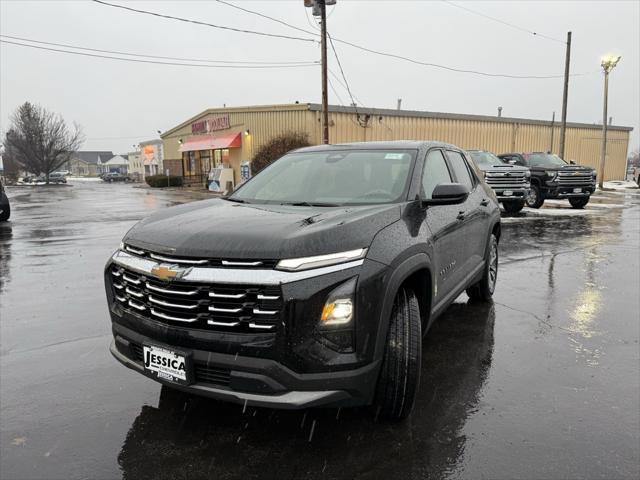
[168, 272]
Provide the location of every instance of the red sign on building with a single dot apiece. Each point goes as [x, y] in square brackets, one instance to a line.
[211, 125]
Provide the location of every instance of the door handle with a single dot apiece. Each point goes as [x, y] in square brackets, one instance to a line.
[484, 202]
[460, 216]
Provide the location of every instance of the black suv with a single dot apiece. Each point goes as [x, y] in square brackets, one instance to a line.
[552, 177]
[509, 182]
[313, 283]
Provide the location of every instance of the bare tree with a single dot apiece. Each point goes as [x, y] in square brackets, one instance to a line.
[40, 141]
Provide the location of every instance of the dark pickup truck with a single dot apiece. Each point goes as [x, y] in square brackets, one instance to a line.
[552, 177]
[509, 182]
[313, 283]
[5, 207]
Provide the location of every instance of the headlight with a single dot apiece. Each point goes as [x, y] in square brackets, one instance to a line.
[527, 174]
[305, 263]
[551, 173]
[338, 309]
[121, 247]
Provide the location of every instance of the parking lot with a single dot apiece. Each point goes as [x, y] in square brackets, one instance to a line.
[543, 383]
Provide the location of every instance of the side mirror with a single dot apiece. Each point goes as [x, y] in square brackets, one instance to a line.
[572, 162]
[448, 194]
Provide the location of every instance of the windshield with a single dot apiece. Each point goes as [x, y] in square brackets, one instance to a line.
[328, 178]
[485, 159]
[545, 160]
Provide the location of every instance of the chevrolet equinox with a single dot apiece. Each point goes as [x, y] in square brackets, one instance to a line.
[313, 283]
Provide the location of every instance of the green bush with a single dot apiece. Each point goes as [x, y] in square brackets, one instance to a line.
[157, 181]
[276, 148]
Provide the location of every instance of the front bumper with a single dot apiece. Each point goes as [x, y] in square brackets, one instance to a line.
[254, 381]
[563, 192]
[518, 192]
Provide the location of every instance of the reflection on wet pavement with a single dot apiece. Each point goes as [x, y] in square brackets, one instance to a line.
[541, 384]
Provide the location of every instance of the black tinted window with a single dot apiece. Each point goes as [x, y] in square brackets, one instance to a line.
[435, 172]
[460, 169]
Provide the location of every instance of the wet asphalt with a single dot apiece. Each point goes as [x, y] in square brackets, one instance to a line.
[543, 383]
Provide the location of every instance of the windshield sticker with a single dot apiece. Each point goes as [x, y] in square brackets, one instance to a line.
[394, 156]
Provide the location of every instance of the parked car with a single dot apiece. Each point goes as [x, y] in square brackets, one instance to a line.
[552, 177]
[636, 175]
[311, 284]
[509, 182]
[115, 177]
[54, 177]
[5, 207]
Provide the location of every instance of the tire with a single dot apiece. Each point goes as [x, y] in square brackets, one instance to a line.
[514, 206]
[483, 290]
[6, 213]
[535, 198]
[400, 372]
[579, 202]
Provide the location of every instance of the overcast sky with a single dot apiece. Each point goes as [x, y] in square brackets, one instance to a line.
[121, 103]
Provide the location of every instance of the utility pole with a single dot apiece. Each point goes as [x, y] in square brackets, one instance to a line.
[608, 64]
[325, 93]
[320, 10]
[565, 95]
[553, 126]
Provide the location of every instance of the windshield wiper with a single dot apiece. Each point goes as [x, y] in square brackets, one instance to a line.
[237, 200]
[312, 204]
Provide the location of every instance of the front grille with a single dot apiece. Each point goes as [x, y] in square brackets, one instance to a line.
[203, 373]
[575, 179]
[223, 307]
[202, 262]
[497, 179]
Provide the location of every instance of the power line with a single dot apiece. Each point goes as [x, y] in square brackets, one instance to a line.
[158, 56]
[475, 12]
[153, 61]
[408, 59]
[198, 22]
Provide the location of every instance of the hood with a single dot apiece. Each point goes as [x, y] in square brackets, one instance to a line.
[566, 168]
[222, 229]
[503, 168]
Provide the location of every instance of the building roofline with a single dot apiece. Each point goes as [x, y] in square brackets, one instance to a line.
[389, 112]
[316, 107]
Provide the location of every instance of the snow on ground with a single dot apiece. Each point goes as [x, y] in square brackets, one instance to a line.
[83, 179]
[619, 185]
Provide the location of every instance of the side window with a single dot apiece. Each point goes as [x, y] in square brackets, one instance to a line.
[460, 169]
[435, 172]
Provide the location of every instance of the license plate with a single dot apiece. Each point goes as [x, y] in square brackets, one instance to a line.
[166, 364]
[507, 193]
[577, 190]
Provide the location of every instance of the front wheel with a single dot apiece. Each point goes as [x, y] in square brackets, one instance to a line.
[513, 206]
[483, 290]
[534, 198]
[579, 202]
[5, 212]
[400, 372]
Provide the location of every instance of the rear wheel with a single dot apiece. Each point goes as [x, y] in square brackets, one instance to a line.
[400, 373]
[534, 198]
[483, 290]
[579, 202]
[513, 206]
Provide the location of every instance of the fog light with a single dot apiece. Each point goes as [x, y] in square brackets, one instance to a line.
[338, 312]
[338, 309]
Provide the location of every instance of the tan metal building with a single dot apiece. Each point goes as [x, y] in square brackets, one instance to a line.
[229, 136]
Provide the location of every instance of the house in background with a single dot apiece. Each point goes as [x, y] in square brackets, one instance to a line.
[86, 163]
[136, 166]
[152, 153]
[117, 163]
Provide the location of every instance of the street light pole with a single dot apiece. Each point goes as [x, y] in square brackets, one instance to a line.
[608, 63]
